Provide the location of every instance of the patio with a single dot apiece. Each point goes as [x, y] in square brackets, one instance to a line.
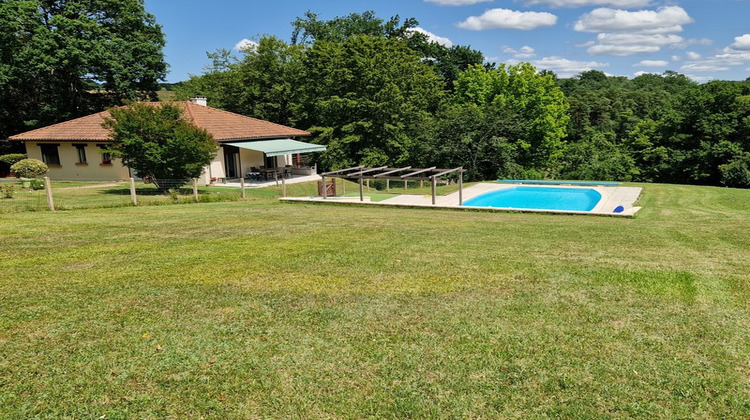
[262, 183]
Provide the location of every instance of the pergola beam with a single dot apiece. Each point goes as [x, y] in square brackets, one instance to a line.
[364, 171]
[340, 171]
[392, 171]
[446, 172]
[417, 172]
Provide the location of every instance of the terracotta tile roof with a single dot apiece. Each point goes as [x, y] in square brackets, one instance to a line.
[222, 125]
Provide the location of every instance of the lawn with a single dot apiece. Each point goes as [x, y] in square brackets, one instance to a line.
[258, 308]
[77, 195]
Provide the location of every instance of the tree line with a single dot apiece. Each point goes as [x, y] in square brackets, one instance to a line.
[379, 92]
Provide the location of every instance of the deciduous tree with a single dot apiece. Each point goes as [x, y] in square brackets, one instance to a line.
[61, 59]
[158, 141]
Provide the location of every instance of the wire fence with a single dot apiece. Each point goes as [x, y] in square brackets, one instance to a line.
[32, 195]
[35, 195]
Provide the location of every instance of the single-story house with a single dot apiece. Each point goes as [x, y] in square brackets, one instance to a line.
[73, 149]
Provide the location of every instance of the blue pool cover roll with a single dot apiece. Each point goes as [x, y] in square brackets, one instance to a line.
[540, 182]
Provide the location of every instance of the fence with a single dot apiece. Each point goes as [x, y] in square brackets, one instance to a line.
[22, 196]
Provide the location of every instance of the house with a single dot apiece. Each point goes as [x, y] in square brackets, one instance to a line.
[75, 149]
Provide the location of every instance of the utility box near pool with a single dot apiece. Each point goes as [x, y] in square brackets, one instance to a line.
[330, 188]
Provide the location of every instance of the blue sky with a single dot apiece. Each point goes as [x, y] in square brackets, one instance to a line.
[704, 39]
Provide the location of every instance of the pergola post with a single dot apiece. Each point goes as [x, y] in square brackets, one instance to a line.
[461, 186]
[387, 184]
[434, 186]
[361, 190]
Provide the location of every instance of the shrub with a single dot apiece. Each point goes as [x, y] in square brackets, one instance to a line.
[29, 168]
[736, 173]
[7, 191]
[12, 158]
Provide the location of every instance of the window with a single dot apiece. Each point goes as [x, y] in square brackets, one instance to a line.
[81, 151]
[49, 154]
[106, 156]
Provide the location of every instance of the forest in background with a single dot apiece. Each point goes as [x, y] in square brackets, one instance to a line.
[376, 92]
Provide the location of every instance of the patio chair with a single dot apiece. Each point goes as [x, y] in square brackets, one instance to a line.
[254, 174]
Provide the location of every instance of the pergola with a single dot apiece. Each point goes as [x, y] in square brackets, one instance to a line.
[406, 173]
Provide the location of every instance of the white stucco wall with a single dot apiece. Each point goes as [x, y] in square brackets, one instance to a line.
[70, 168]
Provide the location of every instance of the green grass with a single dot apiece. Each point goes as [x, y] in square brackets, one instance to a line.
[259, 308]
[86, 195]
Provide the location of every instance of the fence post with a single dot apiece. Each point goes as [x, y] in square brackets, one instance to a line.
[195, 190]
[242, 186]
[133, 197]
[283, 187]
[48, 189]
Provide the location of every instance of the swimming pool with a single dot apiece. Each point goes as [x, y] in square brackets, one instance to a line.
[539, 198]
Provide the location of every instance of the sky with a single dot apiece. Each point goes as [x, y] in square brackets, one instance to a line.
[703, 39]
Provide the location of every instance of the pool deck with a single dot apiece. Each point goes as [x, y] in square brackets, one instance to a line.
[612, 197]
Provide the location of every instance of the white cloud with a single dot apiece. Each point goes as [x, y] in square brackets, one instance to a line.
[742, 42]
[676, 58]
[523, 52]
[664, 20]
[727, 59]
[566, 68]
[433, 38]
[456, 2]
[245, 44]
[622, 50]
[641, 73]
[652, 63]
[623, 33]
[700, 79]
[629, 44]
[508, 19]
[706, 66]
[627, 4]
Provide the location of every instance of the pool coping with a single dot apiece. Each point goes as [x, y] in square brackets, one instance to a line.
[611, 198]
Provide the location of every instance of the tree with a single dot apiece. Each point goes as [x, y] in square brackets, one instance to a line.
[310, 30]
[61, 59]
[447, 61]
[533, 102]
[367, 99]
[263, 84]
[159, 142]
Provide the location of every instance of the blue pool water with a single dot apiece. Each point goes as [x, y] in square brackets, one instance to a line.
[539, 198]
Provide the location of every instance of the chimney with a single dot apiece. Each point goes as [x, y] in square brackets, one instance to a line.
[200, 100]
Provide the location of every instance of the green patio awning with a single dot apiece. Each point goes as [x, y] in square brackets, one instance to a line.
[279, 147]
